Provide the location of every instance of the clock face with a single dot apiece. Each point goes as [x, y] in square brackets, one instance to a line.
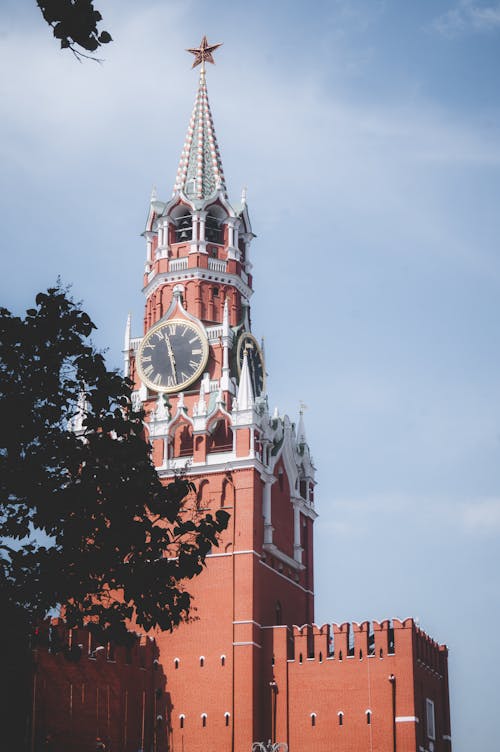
[172, 355]
[247, 343]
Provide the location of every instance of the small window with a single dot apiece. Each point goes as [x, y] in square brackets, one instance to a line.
[341, 718]
[340, 655]
[300, 658]
[181, 721]
[176, 663]
[368, 717]
[202, 661]
[360, 655]
[381, 653]
[313, 719]
[204, 719]
[223, 660]
[227, 716]
[430, 718]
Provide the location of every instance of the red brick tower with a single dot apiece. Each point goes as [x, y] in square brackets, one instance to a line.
[200, 375]
[252, 666]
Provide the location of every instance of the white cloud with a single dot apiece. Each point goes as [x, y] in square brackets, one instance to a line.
[468, 17]
[481, 517]
[352, 517]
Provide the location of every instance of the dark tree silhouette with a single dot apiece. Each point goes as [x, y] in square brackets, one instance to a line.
[75, 23]
[117, 544]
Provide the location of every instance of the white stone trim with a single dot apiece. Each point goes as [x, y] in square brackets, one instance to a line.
[156, 280]
[406, 719]
[243, 644]
[275, 551]
[295, 584]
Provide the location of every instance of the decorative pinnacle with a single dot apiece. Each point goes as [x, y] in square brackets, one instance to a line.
[203, 52]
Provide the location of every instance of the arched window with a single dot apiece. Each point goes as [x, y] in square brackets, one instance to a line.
[313, 719]
[340, 655]
[300, 658]
[203, 719]
[214, 224]
[183, 441]
[360, 655]
[214, 231]
[221, 438]
[176, 663]
[223, 660]
[182, 718]
[202, 661]
[341, 718]
[368, 716]
[227, 716]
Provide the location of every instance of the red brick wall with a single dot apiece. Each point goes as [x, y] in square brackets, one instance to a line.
[77, 697]
[318, 684]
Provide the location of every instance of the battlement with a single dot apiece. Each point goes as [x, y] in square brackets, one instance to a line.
[80, 644]
[363, 640]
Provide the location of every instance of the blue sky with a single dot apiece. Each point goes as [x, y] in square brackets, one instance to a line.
[368, 135]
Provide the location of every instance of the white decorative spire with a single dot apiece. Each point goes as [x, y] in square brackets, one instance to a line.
[245, 391]
[201, 406]
[200, 172]
[243, 196]
[126, 346]
[75, 424]
[301, 431]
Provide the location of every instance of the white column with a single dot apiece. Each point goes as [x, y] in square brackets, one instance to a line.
[195, 234]
[297, 548]
[266, 512]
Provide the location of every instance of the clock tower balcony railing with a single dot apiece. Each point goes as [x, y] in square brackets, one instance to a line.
[179, 262]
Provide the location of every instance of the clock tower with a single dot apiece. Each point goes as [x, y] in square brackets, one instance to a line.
[199, 374]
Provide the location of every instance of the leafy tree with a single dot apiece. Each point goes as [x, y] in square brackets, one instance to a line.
[75, 22]
[117, 544]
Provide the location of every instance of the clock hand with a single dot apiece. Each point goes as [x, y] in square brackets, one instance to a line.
[170, 355]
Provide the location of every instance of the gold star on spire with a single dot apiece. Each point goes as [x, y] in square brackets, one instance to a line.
[203, 52]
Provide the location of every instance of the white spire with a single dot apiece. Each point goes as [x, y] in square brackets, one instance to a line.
[245, 391]
[126, 346]
[301, 431]
[201, 406]
[243, 195]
